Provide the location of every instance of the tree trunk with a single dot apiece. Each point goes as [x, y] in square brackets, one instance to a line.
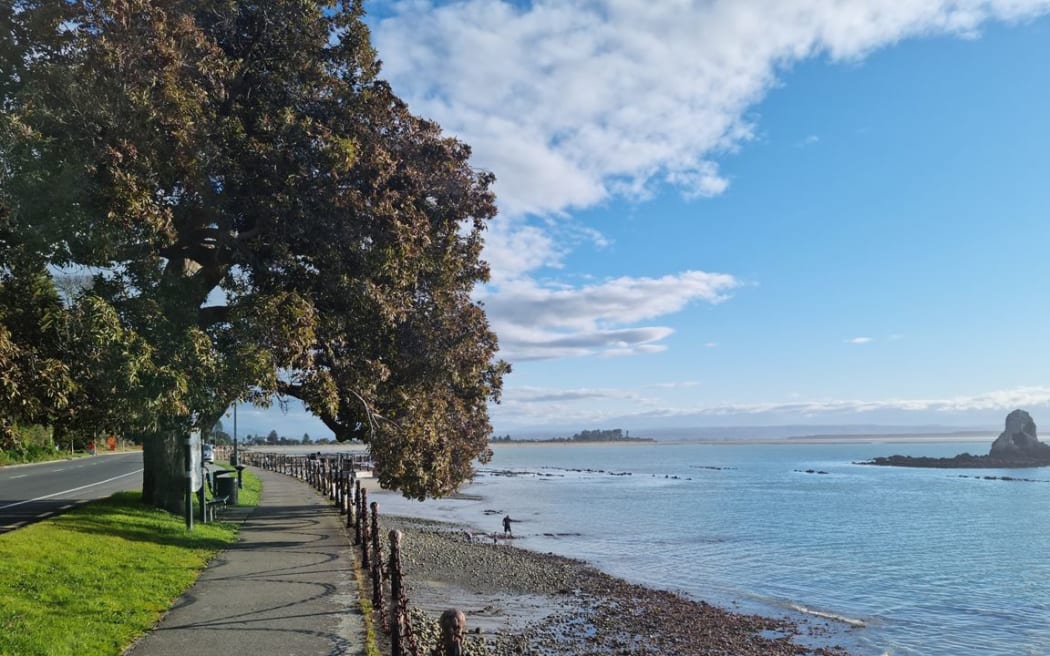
[164, 476]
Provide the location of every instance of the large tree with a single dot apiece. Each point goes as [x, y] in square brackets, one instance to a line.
[263, 213]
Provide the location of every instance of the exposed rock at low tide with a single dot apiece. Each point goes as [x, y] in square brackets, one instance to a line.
[1016, 447]
[520, 602]
[1019, 440]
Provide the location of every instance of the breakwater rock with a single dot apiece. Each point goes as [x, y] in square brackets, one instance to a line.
[1016, 447]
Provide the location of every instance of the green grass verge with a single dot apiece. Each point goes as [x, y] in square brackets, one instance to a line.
[91, 581]
[368, 614]
[42, 455]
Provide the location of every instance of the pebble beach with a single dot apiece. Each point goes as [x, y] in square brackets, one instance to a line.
[521, 602]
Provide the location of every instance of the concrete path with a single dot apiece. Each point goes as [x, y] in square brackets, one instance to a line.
[287, 587]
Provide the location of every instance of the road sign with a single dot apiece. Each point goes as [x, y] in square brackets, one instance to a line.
[194, 474]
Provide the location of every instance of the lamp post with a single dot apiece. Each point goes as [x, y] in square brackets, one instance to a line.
[236, 461]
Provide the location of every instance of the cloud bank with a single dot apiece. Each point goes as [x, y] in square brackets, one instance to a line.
[573, 104]
[530, 407]
[539, 322]
[569, 103]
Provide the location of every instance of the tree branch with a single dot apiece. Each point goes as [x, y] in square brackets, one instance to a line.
[332, 421]
[212, 315]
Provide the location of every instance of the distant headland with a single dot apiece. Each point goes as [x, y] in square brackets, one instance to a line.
[1016, 447]
[611, 435]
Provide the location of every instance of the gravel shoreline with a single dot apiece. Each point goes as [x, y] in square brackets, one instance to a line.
[523, 602]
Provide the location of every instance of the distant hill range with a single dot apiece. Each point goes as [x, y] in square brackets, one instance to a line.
[787, 432]
[599, 435]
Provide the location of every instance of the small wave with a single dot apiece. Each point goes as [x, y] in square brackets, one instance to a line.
[828, 616]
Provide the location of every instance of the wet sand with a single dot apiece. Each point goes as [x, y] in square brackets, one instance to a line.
[522, 602]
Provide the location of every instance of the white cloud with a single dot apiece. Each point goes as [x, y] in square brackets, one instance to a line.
[676, 385]
[537, 322]
[620, 300]
[859, 340]
[531, 395]
[528, 405]
[571, 102]
[533, 406]
[999, 400]
[520, 343]
[624, 350]
[515, 248]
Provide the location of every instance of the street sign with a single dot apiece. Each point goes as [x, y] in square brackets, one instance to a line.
[194, 474]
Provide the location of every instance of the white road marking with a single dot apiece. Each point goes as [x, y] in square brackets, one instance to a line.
[76, 489]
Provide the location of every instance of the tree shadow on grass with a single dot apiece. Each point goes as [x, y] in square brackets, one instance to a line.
[124, 515]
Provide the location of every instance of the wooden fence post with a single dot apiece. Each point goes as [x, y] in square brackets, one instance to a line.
[333, 479]
[363, 522]
[357, 513]
[377, 566]
[396, 595]
[350, 501]
[453, 627]
[402, 637]
[340, 490]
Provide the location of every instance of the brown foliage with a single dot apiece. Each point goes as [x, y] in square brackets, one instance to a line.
[188, 148]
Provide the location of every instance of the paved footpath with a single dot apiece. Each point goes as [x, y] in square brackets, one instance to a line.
[286, 588]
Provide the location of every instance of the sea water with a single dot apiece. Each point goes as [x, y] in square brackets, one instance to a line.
[923, 562]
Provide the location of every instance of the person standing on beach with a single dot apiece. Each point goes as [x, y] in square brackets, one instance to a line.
[506, 525]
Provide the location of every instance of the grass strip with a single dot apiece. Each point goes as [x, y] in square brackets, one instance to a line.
[364, 601]
[91, 581]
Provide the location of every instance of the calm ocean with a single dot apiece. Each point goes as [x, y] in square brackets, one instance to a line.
[921, 562]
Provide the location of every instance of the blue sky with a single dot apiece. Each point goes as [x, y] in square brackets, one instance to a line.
[750, 212]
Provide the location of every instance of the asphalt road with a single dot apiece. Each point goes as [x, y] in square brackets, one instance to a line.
[29, 493]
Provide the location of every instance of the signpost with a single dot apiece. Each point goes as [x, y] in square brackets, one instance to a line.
[194, 479]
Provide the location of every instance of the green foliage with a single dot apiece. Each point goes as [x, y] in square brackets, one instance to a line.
[613, 435]
[598, 435]
[34, 436]
[34, 380]
[28, 444]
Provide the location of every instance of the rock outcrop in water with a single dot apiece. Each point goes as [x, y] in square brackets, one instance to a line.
[1019, 438]
[1017, 446]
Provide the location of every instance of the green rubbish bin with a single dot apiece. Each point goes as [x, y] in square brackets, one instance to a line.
[226, 486]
